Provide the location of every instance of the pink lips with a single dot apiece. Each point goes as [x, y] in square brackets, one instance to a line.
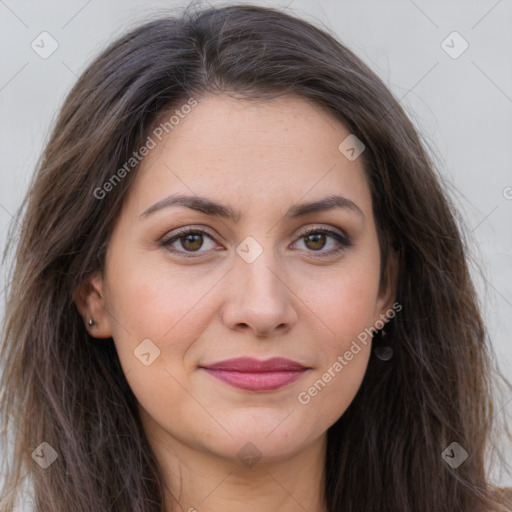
[254, 375]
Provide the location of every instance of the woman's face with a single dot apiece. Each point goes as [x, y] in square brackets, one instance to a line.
[276, 278]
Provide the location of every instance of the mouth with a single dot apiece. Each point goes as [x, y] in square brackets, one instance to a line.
[254, 375]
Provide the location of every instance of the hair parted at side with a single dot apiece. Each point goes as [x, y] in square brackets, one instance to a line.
[58, 386]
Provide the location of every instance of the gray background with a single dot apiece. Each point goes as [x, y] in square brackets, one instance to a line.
[462, 106]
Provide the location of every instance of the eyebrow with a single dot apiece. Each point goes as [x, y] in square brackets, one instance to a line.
[211, 207]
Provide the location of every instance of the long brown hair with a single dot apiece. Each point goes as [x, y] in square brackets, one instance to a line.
[61, 387]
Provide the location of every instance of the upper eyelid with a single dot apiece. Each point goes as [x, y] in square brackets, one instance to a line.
[184, 231]
[302, 231]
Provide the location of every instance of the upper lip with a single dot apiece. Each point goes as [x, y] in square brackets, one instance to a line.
[251, 365]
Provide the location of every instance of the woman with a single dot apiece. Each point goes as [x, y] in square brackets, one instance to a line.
[239, 283]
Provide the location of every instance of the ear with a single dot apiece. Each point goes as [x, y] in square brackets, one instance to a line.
[388, 283]
[89, 298]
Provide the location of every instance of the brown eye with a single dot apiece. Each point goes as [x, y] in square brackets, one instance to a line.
[192, 242]
[315, 241]
[188, 241]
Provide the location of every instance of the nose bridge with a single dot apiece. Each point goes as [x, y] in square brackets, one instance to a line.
[257, 274]
[258, 297]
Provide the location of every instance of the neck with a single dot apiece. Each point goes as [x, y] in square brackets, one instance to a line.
[200, 481]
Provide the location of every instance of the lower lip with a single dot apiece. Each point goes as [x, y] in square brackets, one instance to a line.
[256, 381]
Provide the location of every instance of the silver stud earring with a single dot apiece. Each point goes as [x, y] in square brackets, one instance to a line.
[91, 322]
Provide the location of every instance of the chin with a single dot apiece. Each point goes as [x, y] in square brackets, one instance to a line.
[252, 441]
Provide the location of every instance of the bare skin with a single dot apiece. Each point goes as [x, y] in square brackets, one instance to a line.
[298, 299]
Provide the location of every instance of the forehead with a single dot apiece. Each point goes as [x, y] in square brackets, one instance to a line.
[247, 153]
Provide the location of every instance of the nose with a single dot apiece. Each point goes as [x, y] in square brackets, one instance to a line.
[259, 300]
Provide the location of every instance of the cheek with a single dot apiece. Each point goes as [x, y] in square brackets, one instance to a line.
[348, 311]
[159, 302]
[170, 310]
[347, 307]
[347, 301]
[334, 387]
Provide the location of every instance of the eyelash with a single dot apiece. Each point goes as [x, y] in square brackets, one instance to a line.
[168, 241]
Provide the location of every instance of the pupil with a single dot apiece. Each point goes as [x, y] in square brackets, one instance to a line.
[316, 238]
[190, 238]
